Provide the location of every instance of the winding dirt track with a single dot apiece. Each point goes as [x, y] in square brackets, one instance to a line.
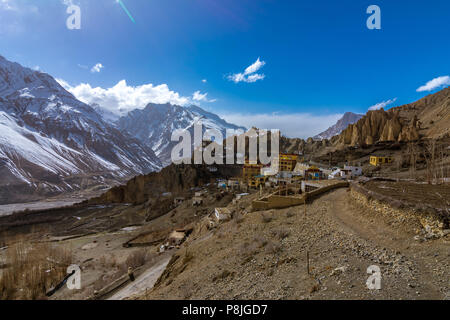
[343, 239]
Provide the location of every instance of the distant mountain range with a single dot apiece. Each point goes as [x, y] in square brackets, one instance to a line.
[50, 141]
[154, 125]
[47, 135]
[339, 126]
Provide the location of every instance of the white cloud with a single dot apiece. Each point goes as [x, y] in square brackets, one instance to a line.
[204, 80]
[382, 104]
[255, 77]
[64, 84]
[8, 5]
[254, 67]
[249, 75]
[293, 125]
[198, 96]
[97, 68]
[67, 2]
[435, 83]
[18, 6]
[123, 98]
[14, 16]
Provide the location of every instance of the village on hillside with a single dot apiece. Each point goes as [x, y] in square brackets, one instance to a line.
[134, 241]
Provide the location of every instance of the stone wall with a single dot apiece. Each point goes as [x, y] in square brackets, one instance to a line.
[426, 225]
[275, 201]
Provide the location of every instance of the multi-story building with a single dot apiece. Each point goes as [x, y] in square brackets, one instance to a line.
[286, 161]
[377, 161]
[256, 181]
[250, 170]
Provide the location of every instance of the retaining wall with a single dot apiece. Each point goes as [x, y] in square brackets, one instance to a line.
[425, 220]
[279, 202]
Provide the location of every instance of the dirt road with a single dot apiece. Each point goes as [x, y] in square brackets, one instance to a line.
[264, 256]
[144, 282]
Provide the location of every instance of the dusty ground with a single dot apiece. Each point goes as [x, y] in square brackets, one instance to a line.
[263, 256]
[257, 255]
[95, 234]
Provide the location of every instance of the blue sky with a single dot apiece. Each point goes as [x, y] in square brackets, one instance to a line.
[317, 59]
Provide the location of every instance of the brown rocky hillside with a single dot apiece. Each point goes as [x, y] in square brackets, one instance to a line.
[428, 117]
[175, 179]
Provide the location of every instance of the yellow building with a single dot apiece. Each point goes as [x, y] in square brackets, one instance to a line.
[251, 170]
[286, 161]
[377, 161]
[256, 181]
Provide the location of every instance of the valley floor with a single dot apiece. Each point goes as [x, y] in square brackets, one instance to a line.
[8, 209]
[58, 201]
[264, 256]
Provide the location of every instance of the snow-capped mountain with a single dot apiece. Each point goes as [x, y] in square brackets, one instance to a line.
[341, 125]
[155, 123]
[46, 135]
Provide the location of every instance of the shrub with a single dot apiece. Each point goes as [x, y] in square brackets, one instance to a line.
[32, 269]
[290, 214]
[223, 275]
[238, 218]
[188, 256]
[274, 247]
[281, 233]
[266, 218]
[137, 259]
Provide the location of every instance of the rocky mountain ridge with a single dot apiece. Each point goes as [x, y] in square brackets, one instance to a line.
[48, 136]
[347, 119]
[155, 124]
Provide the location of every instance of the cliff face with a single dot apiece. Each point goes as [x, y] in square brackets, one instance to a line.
[379, 126]
[176, 179]
[428, 117]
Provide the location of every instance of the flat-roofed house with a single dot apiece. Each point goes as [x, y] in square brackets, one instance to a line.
[356, 171]
[222, 214]
[177, 237]
[251, 170]
[378, 161]
[178, 201]
[288, 161]
[197, 201]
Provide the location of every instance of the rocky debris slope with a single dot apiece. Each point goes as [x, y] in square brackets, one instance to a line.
[264, 256]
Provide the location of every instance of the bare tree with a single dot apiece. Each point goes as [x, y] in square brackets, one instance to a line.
[429, 154]
[399, 163]
[413, 155]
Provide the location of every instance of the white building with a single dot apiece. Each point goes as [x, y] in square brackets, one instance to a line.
[356, 171]
[349, 172]
[222, 214]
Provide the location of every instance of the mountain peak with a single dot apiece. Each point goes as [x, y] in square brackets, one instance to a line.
[347, 119]
[155, 124]
[47, 135]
